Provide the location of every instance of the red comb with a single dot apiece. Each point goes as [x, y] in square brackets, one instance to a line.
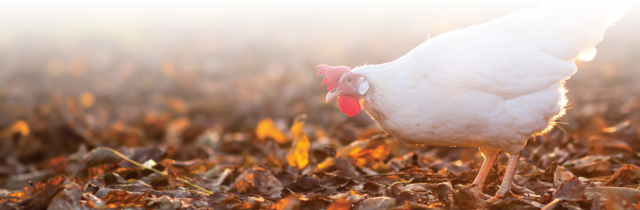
[332, 74]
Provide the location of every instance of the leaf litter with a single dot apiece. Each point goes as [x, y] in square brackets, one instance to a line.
[358, 175]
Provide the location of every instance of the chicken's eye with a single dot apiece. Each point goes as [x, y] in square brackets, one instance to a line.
[349, 79]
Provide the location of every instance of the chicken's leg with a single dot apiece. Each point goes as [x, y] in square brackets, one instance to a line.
[508, 176]
[490, 156]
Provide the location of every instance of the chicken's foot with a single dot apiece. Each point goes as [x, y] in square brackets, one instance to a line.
[490, 156]
[508, 176]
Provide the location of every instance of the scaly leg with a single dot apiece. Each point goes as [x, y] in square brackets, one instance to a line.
[508, 176]
[490, 156]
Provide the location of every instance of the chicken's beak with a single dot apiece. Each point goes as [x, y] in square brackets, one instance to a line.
[332, 94]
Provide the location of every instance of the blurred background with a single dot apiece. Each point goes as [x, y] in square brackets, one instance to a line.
[139, 73]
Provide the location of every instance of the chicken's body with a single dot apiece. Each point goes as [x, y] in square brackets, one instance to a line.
[479, 86]
[491, 86]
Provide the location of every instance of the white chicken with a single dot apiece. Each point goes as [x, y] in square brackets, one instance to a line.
[492, 85]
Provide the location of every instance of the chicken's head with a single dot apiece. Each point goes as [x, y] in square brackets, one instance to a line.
[346, 86]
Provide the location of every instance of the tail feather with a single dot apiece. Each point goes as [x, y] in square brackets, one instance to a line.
[567, 29]
[608, 11]
[617, 16]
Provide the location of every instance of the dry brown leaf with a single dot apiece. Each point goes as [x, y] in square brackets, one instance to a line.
[376, 203]
[172, 175]
[626, 175]
[562, 175]
[99, 156]
[571, 190]
[258, 180]
[628, 193]
[68, 198]
[618, 202]
[122, 198]
[588, 164]
[602, 145]
[93, 201]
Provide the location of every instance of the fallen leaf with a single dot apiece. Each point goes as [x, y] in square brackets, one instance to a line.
[442, 191]
[366, 152]
[135, 186]
[627, 175]
[68, 198]
[346, 167]
[341, 204]
[628, 193]
[571, 190]
[8, 206]
[166, 203]
[588, 164]
[121, 198]
[99, 156]
[291, 202]
[172, 175]
[258, 180]
[601, 145]
[298, 155]
[305, 183]
[403, 196]
[463, 198]
[222, 198]
[15, 196]
[350, 196]
[618, 202]
[562, 175]
[558, 155]
[266, 129]
[514, 203]
[298, 124]
[596, 202]
[331, 151]
[93, 201]
[247, 202]
[43, 193]
[376, 203]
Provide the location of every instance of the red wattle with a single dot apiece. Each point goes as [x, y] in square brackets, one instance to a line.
[349, 105]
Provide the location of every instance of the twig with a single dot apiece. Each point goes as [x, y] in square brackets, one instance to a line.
[160, 172]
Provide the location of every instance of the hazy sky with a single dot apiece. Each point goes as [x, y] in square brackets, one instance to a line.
[32, 13]
[55, 17]
[197, 11]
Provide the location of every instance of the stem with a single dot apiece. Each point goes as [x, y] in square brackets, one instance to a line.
[160, 172]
